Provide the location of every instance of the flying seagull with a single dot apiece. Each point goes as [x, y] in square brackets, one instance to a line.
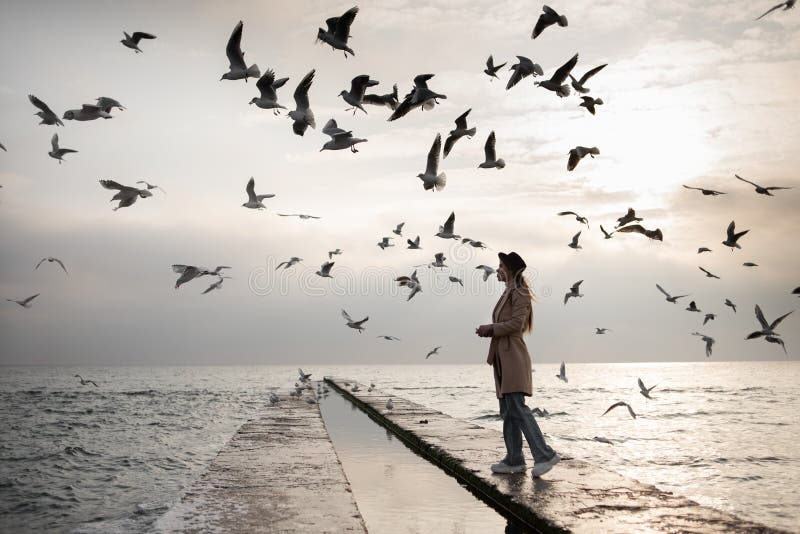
[107, 104]
[578, 153]
[340, 139]
[788, 4]
[767, 329]
[579, 86]
[127, 195]
[57, 152]
[460, 131]
[51, 260]
[389, 338]
[255, 201]
[456, 280]
[621, 403]
[708, 340]
[730, 304]
[411, 282]
[215, 285]
[750, 264]
[413, 243]
[670, 298]
[796, 291]
[421, 96]
[190, 272]
[338, 31]
[332, 253]
[590, 103]
[491, 161]
[548, 18]
[562, 373]
[438, 260]
[709, 317]
[629, 217]
[706, 192]
[733, 236]
[390, 100]
[639, 229]
[302, 216]
[304, 377]
[267, 86]
[384, 242]
[580, 219]
[474, 243]
[325, 269]
[25, 303]
[399, 229]
[762, 190]
[574, 243]
[446, 230]
[599, 330]
[288, 263]
[88, 112]
[487, 271]
[556, 81]
[523, 69]
[574, 291]
[432, 352]
[693, 307]
[703, 249]
[46, 114]
[491, 69]
[358, 87]
[238, 69]
[645, 390]
[302, 115]
[606, 234]
[86, 382]
[432, 179]
[358, 325]
[132, 41]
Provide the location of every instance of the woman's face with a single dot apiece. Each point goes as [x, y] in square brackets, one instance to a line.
[502, 272]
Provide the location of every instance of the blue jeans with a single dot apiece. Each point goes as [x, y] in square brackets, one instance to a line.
[518, 420]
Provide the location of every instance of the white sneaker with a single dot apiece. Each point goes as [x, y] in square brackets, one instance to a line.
[505, 469]
[543, 467]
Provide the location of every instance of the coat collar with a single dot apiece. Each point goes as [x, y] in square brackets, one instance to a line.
[501, 302]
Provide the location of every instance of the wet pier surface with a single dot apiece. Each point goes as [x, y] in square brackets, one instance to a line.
[278, 473]
[574, 497]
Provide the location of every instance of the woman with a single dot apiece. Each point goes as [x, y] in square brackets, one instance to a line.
[508, 355]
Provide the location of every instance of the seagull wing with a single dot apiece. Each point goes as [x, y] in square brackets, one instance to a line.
[567, 213]
[449, 143]
[576, 286]
[265, 85]
[434, 155]
[41, 105]
[574, 159]
[760, 317]
[61, 264]
[251, 190]
[575, 238]
[591, 73]
[234, 48]
[343, 23]
[641, 385]
[301, 93]
[449, 224]
[770, 10]
[403, 108]
[137, 36]
[662, 290]
[604, 231]
[543, 22]
[29, 299]
[40, 262]
[461, 121]
[347, 316]
[633, 228]
[490, 63]
[774, 188]
[777, 321]
[488, 148]
[748, 181]
[615, 405]
[563, 71]
[111, 184]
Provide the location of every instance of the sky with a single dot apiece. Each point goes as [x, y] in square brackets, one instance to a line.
[694, 92]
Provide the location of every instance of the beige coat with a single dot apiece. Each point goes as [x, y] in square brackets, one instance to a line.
[508, 354]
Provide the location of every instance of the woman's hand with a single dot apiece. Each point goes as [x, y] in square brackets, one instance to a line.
[485, 330]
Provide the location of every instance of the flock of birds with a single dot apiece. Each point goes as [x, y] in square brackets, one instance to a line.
[337, 35]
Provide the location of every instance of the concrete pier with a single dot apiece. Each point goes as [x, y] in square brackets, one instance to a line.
[574, 497]
[278, 473]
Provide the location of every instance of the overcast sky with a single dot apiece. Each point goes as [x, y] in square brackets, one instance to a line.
[694, 92]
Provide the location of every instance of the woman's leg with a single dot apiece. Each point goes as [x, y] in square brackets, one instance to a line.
[524, 421]
[512, 435]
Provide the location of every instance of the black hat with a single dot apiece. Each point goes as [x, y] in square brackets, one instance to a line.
[513, 262]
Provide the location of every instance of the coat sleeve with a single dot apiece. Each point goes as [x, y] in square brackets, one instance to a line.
[520, 309]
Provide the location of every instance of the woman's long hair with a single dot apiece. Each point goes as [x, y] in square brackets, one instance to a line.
[526, 291]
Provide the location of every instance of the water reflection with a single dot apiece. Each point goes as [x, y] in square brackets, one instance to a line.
[396, 490]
